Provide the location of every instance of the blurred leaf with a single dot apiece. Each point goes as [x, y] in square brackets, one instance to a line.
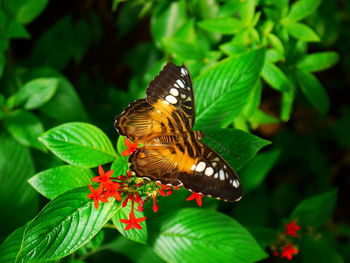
[274, 55]
[80, 144]
[121, 145]
[254, 173]
[223, 25]
[263, 235]
[64, 225]
[313, 90]
[302, 32]
[137, 235]
[17, 198]
[318, 61]
[235, 146]
[183, 48]
[275, 77]
[30, 9]
[320, 250]
[166, 19]
[287, 104]
[260, 117]
[316, 210]
[231, 48]
[2, 63]
[26, 128]
[302, 8]
[276, 43]
[230, 80]
[57, 180]
[37, 92]
[190, 235]
[254, 100]
[16, 30]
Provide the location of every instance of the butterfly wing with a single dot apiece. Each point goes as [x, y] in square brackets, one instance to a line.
[173, 87]
[213, 176]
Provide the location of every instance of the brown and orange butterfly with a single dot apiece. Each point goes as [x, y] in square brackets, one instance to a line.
[172, 153]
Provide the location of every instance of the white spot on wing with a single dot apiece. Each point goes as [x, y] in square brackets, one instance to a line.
[216, 175]
[179, 82]
[200, 167]
[235, 183]
[209, 171]
[183, 96]
[165, 102]
[171, 99]
[214, 164]
[184, 71]
[176, 86]
[222, 175]
[193, 167]
[174, 92]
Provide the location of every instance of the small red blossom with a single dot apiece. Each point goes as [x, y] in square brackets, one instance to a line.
[155, 207]
[196, 196]
[292, 228]
[112, 190]
[132, 222]
[96, 195]
[288, 251]
[103, 178]
[131, 147]
[165, 190]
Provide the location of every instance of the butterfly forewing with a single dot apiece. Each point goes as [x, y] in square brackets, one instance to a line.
[173, 87]
[172, 154]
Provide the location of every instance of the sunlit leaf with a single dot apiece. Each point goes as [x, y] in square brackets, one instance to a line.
[318, 61]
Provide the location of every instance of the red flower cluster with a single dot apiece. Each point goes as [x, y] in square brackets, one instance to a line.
[127, 188]
[285, 247]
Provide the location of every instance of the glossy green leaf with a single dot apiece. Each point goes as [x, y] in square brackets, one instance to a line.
[10, 247]
[55, 181]
[276, 42]
[183, 48]
[275, 77]
[260, 117]
[191, 235]
[64, 225]
[223, 25]
[80, 144]
[235, 146]
[256, 170]
[302, 8]
[120, 166]
[302, 32]
[26, 128]
[121, 145]
[230, 80]
[316, 210]
[287, 104]
[318, 61]
[138, 235]
[18, 200]
[313, 90]
[254, 101]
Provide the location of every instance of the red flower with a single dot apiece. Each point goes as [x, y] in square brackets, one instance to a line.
[292, 228]
[132, 222]
[97, 196]
[103, 178]
[288, 251]
[131, 147]
[155, 207]
[112, 190]
[196, 196]
[166, 190]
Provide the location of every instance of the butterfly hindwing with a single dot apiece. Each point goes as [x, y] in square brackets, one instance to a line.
[173, 87]
[212, 175]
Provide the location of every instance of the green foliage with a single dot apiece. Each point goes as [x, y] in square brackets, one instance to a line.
[266, 100]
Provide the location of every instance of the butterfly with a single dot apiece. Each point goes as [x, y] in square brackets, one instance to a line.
[172, 153]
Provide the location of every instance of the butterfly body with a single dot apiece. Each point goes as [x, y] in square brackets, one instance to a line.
[172, 153]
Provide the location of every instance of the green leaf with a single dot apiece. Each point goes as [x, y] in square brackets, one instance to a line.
[313, 90]
[223, 90]
[275, 77]
[256, 170]
[64, 225]
[191, 235]
[80, 144]
[287, 104]
[318, 61]
[18, 199]
[10, 247]
[30, 9]
[302, 8]
[166, 19]
[183, 48]
[276, 43]
[26, 128]
[37, 92]
[316, 210]
[138, 235]
[302, 32]
[235, 146]
[120, 166]
[55, 181]
[223, 25]
[260, 117]
[16, 30]
[254, 101]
